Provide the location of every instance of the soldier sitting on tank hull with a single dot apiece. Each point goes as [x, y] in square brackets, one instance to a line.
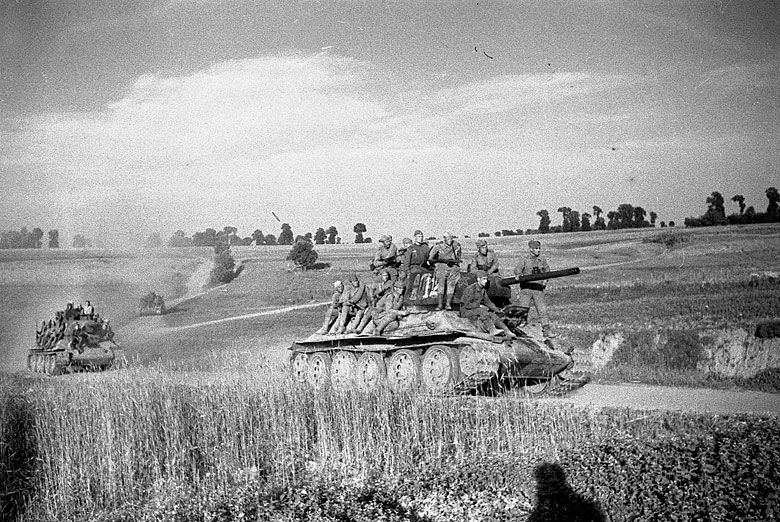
[354, 302]
[387, 311]
[471, 301]
[333, 311]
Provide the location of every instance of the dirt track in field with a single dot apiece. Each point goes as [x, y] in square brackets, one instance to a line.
[669, 398]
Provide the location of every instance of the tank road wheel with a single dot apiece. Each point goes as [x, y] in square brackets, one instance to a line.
[403, 371]
[440, 369]
[30, 361]
[370, 371]
[299, 367]
[318, 373]
[50, 364]
[38, 365]
[535, 386]
[342, 371]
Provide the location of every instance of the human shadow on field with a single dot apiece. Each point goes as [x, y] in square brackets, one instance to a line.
[18, 453]
[556, 501]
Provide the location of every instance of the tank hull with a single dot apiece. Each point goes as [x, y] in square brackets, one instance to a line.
[434, 351]
[64, 359]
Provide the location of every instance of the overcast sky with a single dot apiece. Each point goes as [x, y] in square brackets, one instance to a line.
[125, 118]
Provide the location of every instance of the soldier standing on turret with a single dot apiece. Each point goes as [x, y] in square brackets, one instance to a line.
[446, 255]
[413, 264]
[485, 259]
[533, 291]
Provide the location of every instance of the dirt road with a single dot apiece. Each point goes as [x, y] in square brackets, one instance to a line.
[646, 397]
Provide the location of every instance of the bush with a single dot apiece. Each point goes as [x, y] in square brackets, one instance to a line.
[303, 254]
[224, 266]
[668, 238]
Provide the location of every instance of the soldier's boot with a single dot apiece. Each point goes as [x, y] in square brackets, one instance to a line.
[523, 317]
[547, 331]
[449, 298]
[342, 322]
[440, 306]
[325, 326]
[382, 324]
[363, 323]
[355, 321]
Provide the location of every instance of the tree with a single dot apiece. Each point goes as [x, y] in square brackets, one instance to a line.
[599, 224]
[54, 238]
[739, 199]
[154, 240]
[483, 234]
[206, 238]
[303, 254]
[179, 239]
[716, 212]
[574, 219]
[270, 239]
[332, 233]
[625, 215]
[566, 225]
[671, 224]
[258, 237]
[639, 218]
[224, 264]
[231, 234]
[286, 237]
[653, 217]
[79, 241]
[319, 236]
[772, 209]
[612, 224]
[585, 227]
[544, 221]
[37, 235]
[663, 224]
[358, 229]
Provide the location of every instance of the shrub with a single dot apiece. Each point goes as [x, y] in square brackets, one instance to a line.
[667, 238]
[303, 254]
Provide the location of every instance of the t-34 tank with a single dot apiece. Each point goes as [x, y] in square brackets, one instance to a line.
[74, 345]
[437, 351]
[151, 304]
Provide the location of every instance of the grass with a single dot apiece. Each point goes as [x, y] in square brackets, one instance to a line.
[170, 446]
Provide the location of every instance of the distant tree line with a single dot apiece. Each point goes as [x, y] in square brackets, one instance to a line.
[716, 211]
[24, 238]
[626, 216]
[229, 235]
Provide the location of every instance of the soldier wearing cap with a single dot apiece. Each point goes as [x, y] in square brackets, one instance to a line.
[333, 311]
[473, 302]
[485, 259]
[386, 257]
[414, 265]
[388, 309]
[533, 291]
[354, 302]
[446, 255]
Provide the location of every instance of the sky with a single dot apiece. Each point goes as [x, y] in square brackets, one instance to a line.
[119, 119]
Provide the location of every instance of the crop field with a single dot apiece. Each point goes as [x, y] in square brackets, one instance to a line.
[206, 425]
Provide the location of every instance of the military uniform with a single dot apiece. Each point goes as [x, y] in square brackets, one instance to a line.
[386, 258]
[332, 313]
[471, 301]
[488, 263]
[533, 292]
[387, 312]
[447, 272]
[354, 302]
[413, 267]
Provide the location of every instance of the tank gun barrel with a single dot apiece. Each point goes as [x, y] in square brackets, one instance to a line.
[514, 280]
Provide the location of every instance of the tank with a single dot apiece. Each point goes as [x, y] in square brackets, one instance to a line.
[82, 345]
[151, 304]
[435, 351]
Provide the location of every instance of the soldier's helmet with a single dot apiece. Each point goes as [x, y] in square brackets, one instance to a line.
[535, 243]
